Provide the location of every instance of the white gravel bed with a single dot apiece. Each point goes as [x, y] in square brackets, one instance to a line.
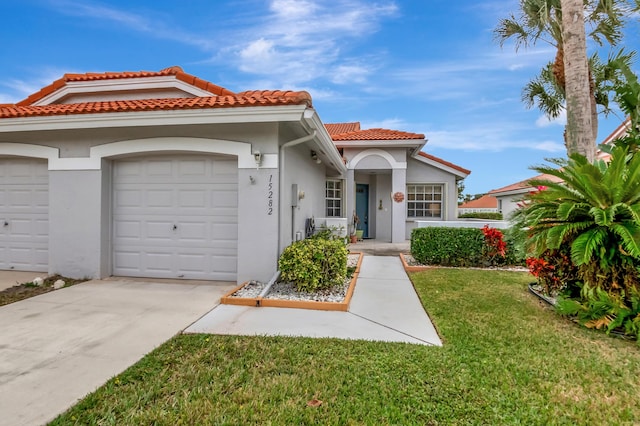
[287, 291]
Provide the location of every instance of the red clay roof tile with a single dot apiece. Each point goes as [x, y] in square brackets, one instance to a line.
[175, 71]
[376, 135]
[444, 162]
[485, 202]
[524, 184]
[339, 128]
[254, 98]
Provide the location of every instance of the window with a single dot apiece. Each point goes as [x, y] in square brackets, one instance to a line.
[424, 201]
[333, 196]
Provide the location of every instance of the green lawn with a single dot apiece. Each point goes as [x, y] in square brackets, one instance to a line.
[506, 360]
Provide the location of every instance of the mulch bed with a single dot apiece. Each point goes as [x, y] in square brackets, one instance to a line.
[26, 290]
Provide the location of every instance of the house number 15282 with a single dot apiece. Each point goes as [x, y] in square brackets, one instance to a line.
[270, 196]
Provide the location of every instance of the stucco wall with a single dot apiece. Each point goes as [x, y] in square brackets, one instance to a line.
[418, 172]
[299, 168]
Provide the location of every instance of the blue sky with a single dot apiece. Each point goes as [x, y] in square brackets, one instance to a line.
[425, 66]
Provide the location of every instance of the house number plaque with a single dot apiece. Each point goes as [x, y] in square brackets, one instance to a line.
[270, 196]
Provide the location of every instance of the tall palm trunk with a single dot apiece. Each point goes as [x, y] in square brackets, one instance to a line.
[580, 137]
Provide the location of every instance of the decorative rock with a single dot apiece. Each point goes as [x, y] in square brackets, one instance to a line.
[58, 284]
[38, 281]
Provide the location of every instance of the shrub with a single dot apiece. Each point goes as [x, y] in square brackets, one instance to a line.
[314, 264]
[447, 246]
[479, 215]
[595, 211]
[555, 272]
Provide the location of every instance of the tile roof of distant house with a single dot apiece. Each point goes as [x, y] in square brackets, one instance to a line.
[485, 202]
[523, 185]
[175, 71]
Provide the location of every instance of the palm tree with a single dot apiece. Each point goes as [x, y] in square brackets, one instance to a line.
[580, 137]
[541, 21]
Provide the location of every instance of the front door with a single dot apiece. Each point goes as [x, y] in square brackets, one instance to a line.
[362, 207]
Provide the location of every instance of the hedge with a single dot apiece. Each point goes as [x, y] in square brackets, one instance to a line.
[447, 246]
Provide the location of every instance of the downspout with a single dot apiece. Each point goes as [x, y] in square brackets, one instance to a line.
[291, 143]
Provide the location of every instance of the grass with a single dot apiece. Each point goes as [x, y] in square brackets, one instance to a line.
[506, 359]
[26, 290]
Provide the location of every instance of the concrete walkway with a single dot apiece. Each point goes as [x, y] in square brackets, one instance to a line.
[57, 347]
[384, 307]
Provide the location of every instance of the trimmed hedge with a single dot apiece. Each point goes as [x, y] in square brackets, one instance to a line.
[314, 263]
[447, 246]
[462, 247]
[478, 215]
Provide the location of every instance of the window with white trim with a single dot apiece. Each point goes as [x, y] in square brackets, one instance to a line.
[333, 197]
[424, 200]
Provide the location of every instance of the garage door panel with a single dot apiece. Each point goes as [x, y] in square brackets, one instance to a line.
[186, 192]
[24, 214]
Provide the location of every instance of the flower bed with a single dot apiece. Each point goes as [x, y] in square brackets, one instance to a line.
[285, 295]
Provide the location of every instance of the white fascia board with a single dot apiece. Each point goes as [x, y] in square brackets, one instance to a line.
[518, 191]
[440, 166]
[128, 84]
[403, 143]
[154, 118]
[312, 119]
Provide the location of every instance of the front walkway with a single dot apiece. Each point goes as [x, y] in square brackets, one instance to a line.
[384, 307]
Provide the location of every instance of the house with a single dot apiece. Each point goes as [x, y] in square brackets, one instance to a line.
[162, 174]
[485, 204]
[511, 195]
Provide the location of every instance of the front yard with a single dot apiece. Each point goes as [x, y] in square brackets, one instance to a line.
[507, 359]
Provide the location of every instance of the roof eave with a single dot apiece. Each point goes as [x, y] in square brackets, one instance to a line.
[257, 114]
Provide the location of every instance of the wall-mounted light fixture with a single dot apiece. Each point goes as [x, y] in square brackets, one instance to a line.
[257, 156]
[314, 157]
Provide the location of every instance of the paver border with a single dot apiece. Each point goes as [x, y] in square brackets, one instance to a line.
[412, 268]
[343, 306]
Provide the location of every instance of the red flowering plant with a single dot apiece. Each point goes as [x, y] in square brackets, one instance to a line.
[495, 246]
[554, 271]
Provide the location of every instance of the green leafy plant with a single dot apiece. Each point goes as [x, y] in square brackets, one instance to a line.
[478, 215]
[314, 263]
[595, 211]
[447, 246]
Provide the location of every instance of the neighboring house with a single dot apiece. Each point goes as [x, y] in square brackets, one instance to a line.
[509, 196]
[485, 204]
[162, 174]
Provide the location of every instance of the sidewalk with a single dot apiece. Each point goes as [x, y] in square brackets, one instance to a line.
[384, 307]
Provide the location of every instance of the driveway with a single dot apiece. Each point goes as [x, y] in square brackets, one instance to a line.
[57, 347]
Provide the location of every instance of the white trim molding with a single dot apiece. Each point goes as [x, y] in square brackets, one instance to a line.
[380, 153]
[28, 150]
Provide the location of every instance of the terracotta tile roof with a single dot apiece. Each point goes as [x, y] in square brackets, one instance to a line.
[485, 202]
[524, 184]
[339, 128]
[444, 162]
[244, 99]
[175, 71]
[376, 135]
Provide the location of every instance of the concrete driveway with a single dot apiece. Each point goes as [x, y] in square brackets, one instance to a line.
[57, 347]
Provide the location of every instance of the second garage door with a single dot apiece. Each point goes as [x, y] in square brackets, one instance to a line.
[176, 217]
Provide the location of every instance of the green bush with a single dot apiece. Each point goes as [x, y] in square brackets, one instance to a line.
[447, 246]
[314, 264]
[485, 215]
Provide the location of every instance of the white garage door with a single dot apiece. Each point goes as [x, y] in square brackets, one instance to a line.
[176, 217]
[24, 214]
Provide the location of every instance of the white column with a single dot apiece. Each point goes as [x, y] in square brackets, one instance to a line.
[350, 197]
[398, 210]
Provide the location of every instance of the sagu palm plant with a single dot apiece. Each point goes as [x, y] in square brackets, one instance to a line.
[596, 211]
